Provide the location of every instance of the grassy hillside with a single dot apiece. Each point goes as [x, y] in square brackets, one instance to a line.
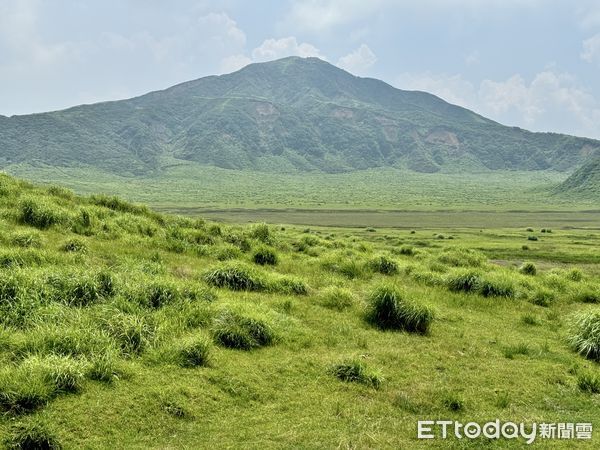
[288, 115]
[584, 182]
[123, 328]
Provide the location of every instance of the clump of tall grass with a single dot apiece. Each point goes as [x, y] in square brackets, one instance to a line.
[235, 331]
[383, 265]
[265, 256]
[356, 371]
[193, 351]
[158, 293]
[532, 238]
[226, 252]
[528, 268]
[75, 246]
[235, 277]
[587, 294]
[588, 382]
[26, 239]
[132, 333]
[32, 434]
[542, 297]
[349, 268]
[575, 274]
[464, 281]
[261, 233]
[584, 336]
[75, 288]
[337, 298]
[39, 213]
[288, 285]
[406, 250]
[23, 390]
[65, 374]
[61, 192]
[116, 204]
[389, 309]
[497, 286]
[461, 258]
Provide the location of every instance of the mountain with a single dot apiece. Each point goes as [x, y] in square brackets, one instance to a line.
[292, 114]
[585, 180]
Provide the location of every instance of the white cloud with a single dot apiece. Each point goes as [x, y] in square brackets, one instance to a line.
[233, 63]
[552, 101]
[279, 48]
[359, 60]
[591, 49]
[320, 15]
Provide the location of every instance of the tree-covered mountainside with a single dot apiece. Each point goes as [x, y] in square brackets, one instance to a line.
[585, 180]
[292, 114]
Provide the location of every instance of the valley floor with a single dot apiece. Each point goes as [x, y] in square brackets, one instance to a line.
[123, 328]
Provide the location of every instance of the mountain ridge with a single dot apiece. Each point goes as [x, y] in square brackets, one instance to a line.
[292, 114]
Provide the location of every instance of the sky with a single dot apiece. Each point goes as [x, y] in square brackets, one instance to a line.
[528, 63]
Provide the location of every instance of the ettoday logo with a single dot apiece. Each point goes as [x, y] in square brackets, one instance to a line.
[444, 429]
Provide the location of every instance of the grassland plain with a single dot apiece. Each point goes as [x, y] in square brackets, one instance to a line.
[124, 328]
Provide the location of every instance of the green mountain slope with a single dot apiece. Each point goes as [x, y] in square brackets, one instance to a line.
[287, 115]
[585, 181]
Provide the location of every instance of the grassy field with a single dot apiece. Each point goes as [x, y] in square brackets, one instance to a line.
[124, 328]
[196, 186]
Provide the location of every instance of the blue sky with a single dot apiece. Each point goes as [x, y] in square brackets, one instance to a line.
[528, 63]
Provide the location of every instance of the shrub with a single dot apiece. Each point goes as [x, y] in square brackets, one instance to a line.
[234, 331]
[464, 282]
[193, 352]
[265, 256]
[588, 382]
[528, 268]
[236, 278]
[355, 371]
[388, 310]
[31, 435]
[27, 240]
[383, 265]
[532, 238]
[524, 247]
[337, 298]
[74, 245]
[530, 230]
[39, 214]
[585, 335]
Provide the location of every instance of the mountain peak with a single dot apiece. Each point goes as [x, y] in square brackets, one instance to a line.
[290, 114]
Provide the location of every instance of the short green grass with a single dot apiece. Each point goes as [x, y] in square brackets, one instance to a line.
[124, 328]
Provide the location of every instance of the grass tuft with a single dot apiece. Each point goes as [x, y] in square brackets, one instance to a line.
[389, 310]
[585, 335]
[356, 371]
[238, 332]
